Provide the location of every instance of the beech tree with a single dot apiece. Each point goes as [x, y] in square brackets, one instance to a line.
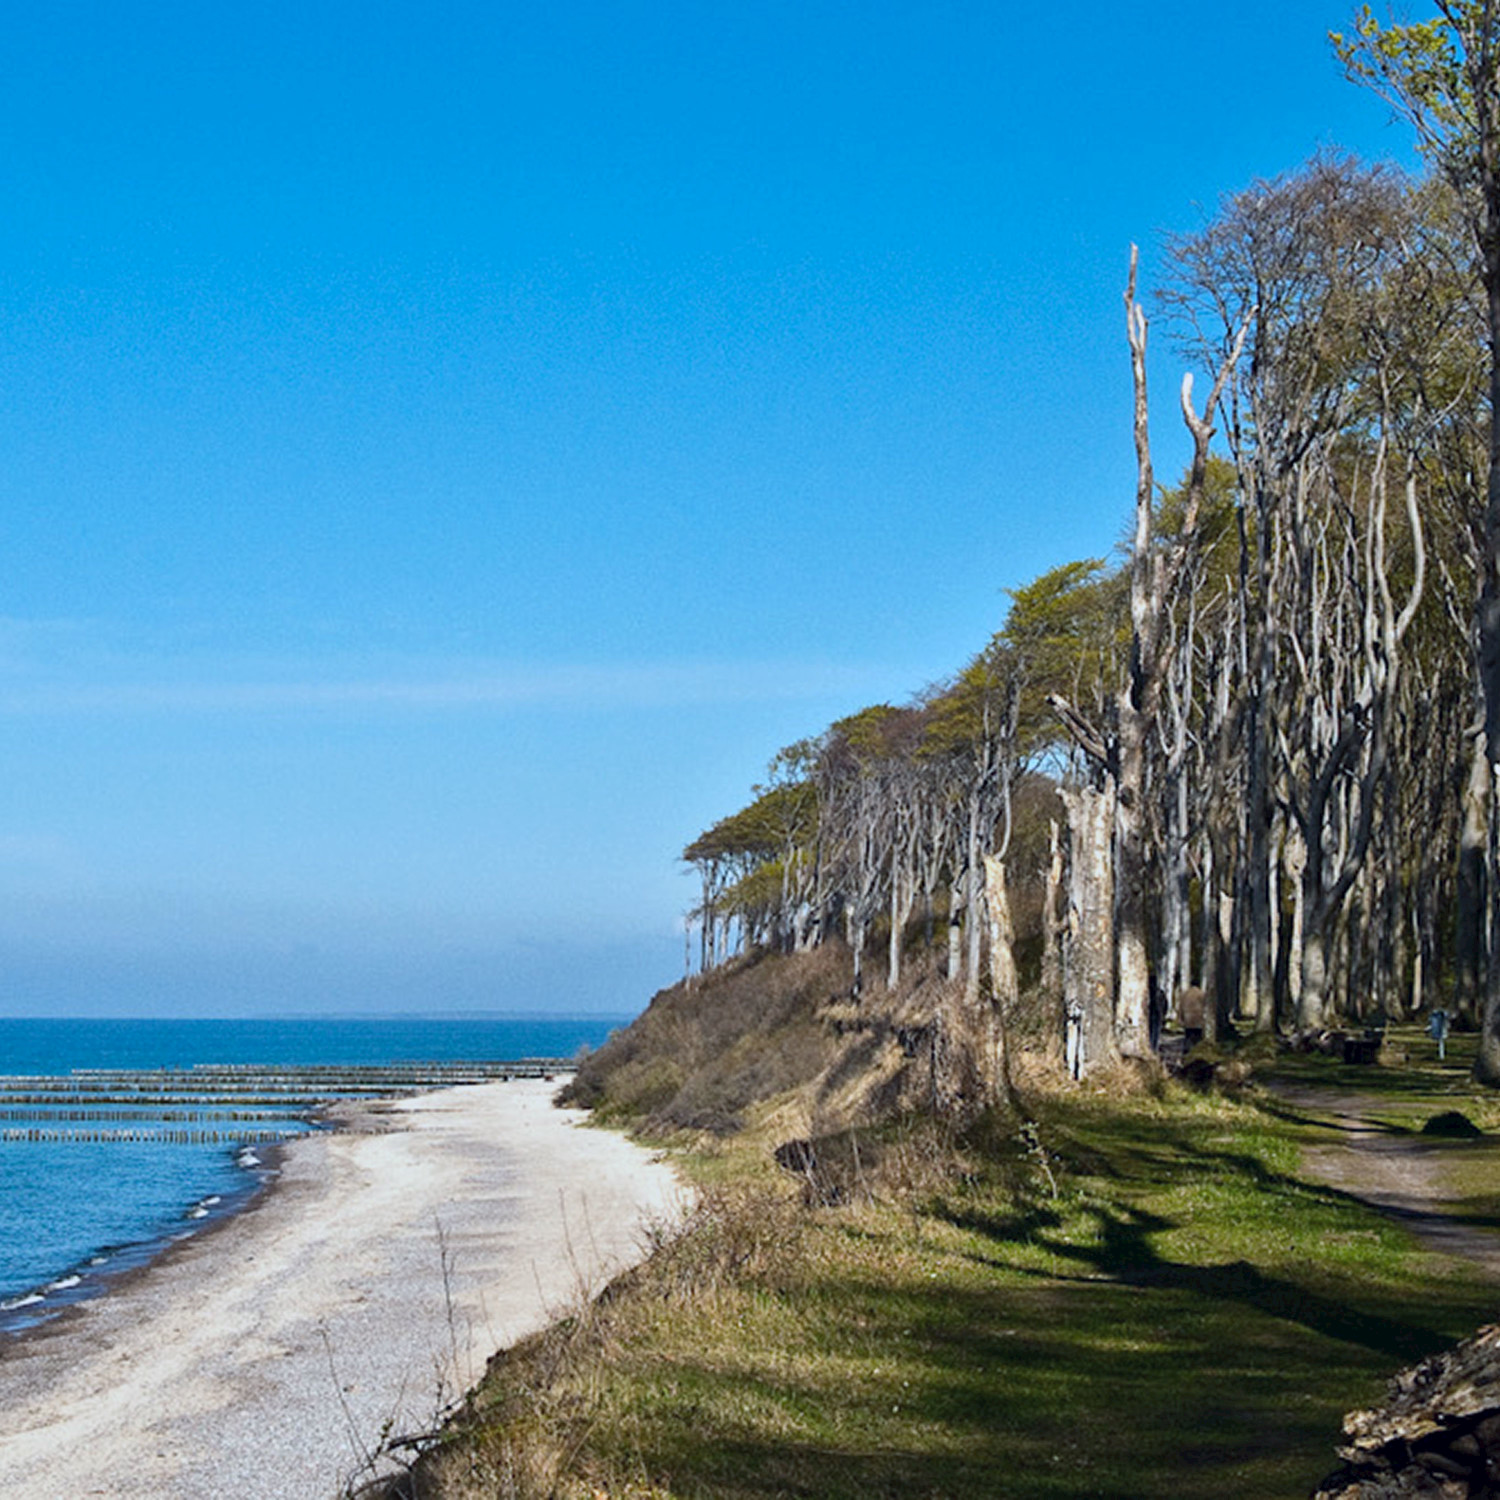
[1259, 724]
[1120, 752]
[1443, 75]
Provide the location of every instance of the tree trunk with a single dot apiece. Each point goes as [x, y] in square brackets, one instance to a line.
[1051, 928]
[1176, 913]
[974, 898]
[1296, 868]
[1487, 1059]
[857, 947]
[1256, 1000]
[893, 965]
[1003, 980]
[1133, 998]
[1472, 899]
[1311, 1009]
[955, 930]
[1137, 710]
[1088, 975]
[1213, 949]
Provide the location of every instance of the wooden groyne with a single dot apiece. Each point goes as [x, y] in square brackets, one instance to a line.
[50, 1136]
[221, 1104]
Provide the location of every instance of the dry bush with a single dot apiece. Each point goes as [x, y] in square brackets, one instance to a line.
[644, 1085]
[734, 1233]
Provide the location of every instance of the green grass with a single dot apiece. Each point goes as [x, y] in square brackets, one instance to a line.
[1186, 1315]
[1419, 1079]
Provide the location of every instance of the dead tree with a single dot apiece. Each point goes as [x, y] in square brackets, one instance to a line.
[1157, 572]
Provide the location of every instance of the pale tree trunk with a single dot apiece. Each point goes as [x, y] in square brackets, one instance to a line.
[1156, 578]
[856, 937]
[1176, 919]
[1220, 832]
[1257, 992]
[1296, 868]
[1256, 1000]
[1395, 933]
[1157, 575]
[1213, 949]
[1470, 936]
[1003, 980]
[974, 926]
[1418, 968]
[1089, 956]
[1486, 95]
[955, 930]
[893, 964]
[1278, 935]
[1311, 1008]
[1133, 997]
[1137, 712]
[1228, 918]
[1051, 929]
[1003, 977]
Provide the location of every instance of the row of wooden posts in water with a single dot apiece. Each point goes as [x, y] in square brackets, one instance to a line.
[220, 1104]
[47, 1135]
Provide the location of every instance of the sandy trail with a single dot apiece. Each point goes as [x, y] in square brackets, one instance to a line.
[1397, 1174]
[364, 1291]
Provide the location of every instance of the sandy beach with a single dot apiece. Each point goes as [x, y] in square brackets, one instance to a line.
[363, 1291]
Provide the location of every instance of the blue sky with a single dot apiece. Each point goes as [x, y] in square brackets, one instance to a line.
[446, 450]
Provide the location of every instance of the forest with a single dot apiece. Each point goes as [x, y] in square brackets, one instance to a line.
[1245, 761]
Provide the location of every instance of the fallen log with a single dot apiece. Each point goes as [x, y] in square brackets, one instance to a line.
[1437, 1434]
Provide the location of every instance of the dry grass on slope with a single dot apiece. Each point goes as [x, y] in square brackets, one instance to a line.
[779, 1036]
[709, 1052]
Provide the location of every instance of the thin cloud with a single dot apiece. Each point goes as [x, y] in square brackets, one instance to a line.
[570, 687]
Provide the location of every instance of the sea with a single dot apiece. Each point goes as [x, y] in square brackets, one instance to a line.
[121, 1137]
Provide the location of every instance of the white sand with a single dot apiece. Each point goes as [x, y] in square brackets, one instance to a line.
[264, 1358]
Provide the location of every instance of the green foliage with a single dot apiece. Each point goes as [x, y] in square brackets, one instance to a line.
[866, 737]
[781, 817]
[1064, 630]
[757, 893]
[975, 707]
[1440, 74]
[1422, 67]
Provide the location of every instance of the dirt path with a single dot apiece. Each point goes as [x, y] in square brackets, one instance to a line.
[1399, 1174]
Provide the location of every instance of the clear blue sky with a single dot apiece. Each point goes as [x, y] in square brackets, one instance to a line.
[445, 450]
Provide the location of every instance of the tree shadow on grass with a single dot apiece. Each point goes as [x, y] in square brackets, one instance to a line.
[1122, 1249]
[1026, 1392]
[1239, 1281]
[1294, 1113]
[1125, 1254]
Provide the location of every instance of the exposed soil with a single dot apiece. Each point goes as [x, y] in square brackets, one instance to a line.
[1400, 1174]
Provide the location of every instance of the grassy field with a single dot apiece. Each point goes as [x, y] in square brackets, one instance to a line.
[1138, 1295]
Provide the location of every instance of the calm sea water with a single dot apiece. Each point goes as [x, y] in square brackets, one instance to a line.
[75, 1212]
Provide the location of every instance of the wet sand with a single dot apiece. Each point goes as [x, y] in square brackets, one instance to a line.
[363, 1292]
